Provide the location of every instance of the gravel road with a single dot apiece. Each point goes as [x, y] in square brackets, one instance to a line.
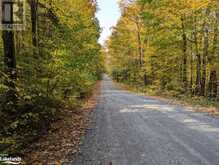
[130, 129]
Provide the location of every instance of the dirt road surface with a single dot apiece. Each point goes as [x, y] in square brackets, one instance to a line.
[130, 129]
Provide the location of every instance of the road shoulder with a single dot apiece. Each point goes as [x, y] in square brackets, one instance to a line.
[64, 136]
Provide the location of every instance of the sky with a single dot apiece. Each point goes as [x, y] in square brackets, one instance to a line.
[108, 16]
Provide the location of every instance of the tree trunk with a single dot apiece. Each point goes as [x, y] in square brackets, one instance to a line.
[198, 63]
[184, 49]
[191, 71]
[10, 64]
[34, 21]
[139, 41]
[213, 84]
[212, 89]
[198, 75]
[205, 55]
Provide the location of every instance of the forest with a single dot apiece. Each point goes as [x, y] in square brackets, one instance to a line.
[53, 61]
[49, 65]
[167, 46]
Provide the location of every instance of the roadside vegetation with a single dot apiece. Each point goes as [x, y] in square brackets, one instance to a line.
[46, 69]
[168, 48]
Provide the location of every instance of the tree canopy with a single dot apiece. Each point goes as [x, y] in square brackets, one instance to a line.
[50, 65]
[170, 45]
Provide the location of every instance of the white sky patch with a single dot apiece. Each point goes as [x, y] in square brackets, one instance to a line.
[108, 15]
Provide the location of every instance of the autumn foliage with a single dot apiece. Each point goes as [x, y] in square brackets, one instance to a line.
[167, 45]
[51, 65]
